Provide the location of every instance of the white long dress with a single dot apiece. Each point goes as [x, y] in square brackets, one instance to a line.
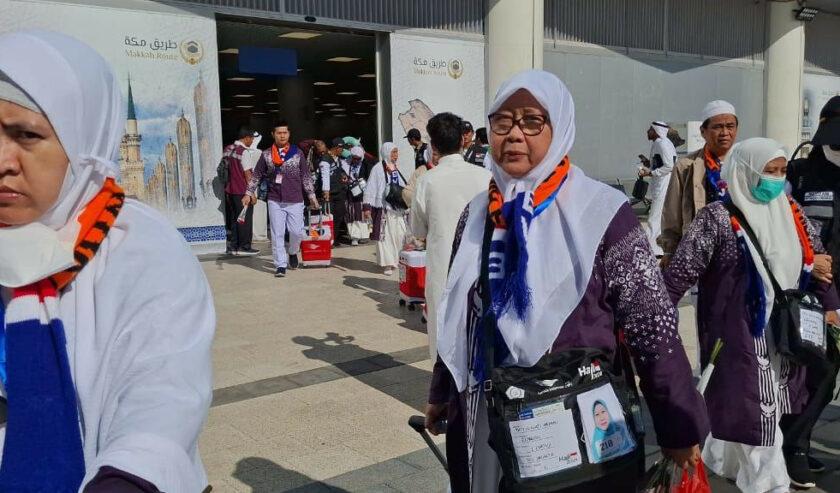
[393, 220]
[139, 321]
[660, 178]
[440, 197]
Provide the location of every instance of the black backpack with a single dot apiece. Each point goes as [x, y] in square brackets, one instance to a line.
[223, 169]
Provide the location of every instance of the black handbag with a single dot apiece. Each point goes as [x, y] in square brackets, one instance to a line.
[797, 319]
[544, 420]
[394, 196]
[640, 189]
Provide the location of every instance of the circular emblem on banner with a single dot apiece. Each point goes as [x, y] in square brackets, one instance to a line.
[456, 68]
[192, 52]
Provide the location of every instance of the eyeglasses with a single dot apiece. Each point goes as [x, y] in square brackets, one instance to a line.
[835, 147]
[529, 124]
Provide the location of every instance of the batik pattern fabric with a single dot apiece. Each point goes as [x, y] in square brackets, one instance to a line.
[710, 255]
[627, 282]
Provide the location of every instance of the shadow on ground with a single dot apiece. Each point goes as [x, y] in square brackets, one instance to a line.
[265, 476]
[385, 292]
[406, 384]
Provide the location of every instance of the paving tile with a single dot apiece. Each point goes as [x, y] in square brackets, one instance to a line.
[430, 480]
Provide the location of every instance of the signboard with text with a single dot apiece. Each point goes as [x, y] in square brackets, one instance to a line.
[168, 71]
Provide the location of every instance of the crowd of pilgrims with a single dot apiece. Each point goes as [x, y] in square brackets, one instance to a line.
[552, 302]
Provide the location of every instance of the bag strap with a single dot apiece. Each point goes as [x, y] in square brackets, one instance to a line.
[488, 317]
[745, 226]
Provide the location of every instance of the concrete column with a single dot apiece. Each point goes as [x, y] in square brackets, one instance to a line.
[513, 40]
[783, 64]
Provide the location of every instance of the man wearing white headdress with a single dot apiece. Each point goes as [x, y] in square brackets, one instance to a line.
[106, 315]
[695, 180]
[663, 155]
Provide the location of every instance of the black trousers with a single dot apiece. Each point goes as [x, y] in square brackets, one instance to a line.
[238, 235]
[820, 384]
[338, 208]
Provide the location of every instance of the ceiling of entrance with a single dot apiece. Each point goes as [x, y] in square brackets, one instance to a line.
[313, 68]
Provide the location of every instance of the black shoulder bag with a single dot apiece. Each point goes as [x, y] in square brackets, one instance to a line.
[569, 419]
[395, 190]
[797, 319]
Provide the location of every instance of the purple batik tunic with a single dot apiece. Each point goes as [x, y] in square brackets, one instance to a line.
[625, 293]
[740, 399]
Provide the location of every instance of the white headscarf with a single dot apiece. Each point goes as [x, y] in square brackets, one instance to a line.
[663, 145]
[772, 223]
[357, 151]
[562, 241]
[387, 147]
[76, 90]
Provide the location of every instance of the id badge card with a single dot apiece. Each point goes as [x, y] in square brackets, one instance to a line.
[545, 440]
[812, 327]
[278, 179]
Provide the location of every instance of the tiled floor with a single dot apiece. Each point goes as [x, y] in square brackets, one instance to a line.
[316, 375]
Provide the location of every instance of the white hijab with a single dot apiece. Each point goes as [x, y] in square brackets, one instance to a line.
[79, 95]
[562, 241]
[387, 147]
[772, 223]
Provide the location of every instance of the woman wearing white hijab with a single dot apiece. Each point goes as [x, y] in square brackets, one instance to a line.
[577, 267]
[106, 318]
[752, 385]
[388, 221]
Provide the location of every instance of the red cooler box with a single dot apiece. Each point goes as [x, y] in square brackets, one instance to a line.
[413, 276]
[316, 246]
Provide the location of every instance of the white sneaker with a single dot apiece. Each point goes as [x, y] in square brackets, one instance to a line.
[354, 243]
[388, 272]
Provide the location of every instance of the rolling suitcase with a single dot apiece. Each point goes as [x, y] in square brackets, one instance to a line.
[316, 246]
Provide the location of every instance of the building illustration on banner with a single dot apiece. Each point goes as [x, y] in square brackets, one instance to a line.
[171, 185]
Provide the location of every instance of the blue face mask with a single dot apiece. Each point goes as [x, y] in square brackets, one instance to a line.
[768, 188]
[345, 153]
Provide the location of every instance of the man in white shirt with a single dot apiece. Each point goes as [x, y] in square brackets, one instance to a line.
[440, 197]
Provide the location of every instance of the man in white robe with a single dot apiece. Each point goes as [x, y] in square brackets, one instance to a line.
[441, 195]
[663, 155]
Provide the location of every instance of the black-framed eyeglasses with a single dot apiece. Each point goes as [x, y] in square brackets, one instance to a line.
[529, 124]
[834, 147]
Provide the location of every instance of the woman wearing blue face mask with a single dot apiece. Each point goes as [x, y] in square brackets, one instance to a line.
[752, 386]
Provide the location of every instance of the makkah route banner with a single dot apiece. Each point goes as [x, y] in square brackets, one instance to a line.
[429, 76]
[167, 66]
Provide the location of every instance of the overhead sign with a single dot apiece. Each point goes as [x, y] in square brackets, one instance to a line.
[433, 75]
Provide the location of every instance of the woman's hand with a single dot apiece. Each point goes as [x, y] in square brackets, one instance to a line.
[832, 318]
[367, 215]
[683, 457]
[822, 268]
[435, 413]
[248, 200]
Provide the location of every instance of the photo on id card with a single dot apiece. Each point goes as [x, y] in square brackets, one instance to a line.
[606, 432]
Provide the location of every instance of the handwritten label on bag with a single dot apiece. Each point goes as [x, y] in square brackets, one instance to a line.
[812, 327]
[278, 179]
[545, 441]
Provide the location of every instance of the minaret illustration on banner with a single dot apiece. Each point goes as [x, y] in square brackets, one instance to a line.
[131, 162]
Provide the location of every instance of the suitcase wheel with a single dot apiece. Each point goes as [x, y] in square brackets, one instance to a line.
[402, 302]
[411, 307]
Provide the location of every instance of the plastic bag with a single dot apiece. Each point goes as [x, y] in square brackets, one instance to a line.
[666, 477]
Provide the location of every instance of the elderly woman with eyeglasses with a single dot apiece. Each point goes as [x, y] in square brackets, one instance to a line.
[572, 268]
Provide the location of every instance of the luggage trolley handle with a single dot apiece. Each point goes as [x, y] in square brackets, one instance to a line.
[324, 209]
[418, 423]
